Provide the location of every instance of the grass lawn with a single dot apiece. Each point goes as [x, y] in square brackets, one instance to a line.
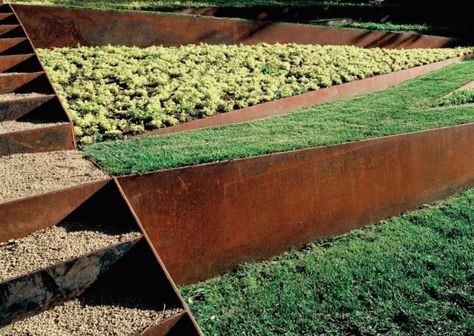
[410, 275]
[404, 108]
[112, 92]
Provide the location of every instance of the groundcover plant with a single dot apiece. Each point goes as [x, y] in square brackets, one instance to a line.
[112, 92]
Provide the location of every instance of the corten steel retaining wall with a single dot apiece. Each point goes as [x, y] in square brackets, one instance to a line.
[67, 27]
[205, 220]
[306, 100]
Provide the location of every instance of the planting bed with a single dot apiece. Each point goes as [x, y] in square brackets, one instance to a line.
[24, 175]
[112, 92]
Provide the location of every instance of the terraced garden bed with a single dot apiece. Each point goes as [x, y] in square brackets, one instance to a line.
[113, 92]
[392, 111]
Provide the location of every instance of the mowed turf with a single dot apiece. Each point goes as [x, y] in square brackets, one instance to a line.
[396, 110]
[410, 275]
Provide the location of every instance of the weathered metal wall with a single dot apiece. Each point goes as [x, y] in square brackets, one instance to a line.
[205, 220]
[67, 27]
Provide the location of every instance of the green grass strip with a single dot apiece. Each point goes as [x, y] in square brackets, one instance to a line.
[458, 98]
[379, 114]
[410, 275]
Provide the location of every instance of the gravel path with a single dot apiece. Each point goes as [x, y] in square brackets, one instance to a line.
[59, 243]
[103, 312]
[23, 175]
[17, 126]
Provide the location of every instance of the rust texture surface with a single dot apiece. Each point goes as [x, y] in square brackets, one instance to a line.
[35, 292]
[22, 217]
[67, 27]
[306, 100]
[46, 139]
[205, 220]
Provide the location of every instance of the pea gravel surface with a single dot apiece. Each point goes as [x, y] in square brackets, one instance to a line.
[18, 126]
[102, 312]
[23, 175]
[18, 96]
[56, 244]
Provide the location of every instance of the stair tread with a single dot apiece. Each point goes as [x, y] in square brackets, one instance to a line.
[14, 74]
[105, 309]
[19, 97]
[51, 171]
[69, 240]
[11, 39]
[26, 55]
[13, 126]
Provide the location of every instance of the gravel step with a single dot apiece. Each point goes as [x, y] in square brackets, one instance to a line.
[21, 96]
[23, 175]
[100, 311]
[70, 239]
[12, 126]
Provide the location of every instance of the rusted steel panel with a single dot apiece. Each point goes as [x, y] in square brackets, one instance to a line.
[205, 220]
[22, 217]
[306, 100]
[55, 26]
[188, 324]
[46, 139]
[66, 27]
[38, 291]
[253, 32]
[410, 11]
